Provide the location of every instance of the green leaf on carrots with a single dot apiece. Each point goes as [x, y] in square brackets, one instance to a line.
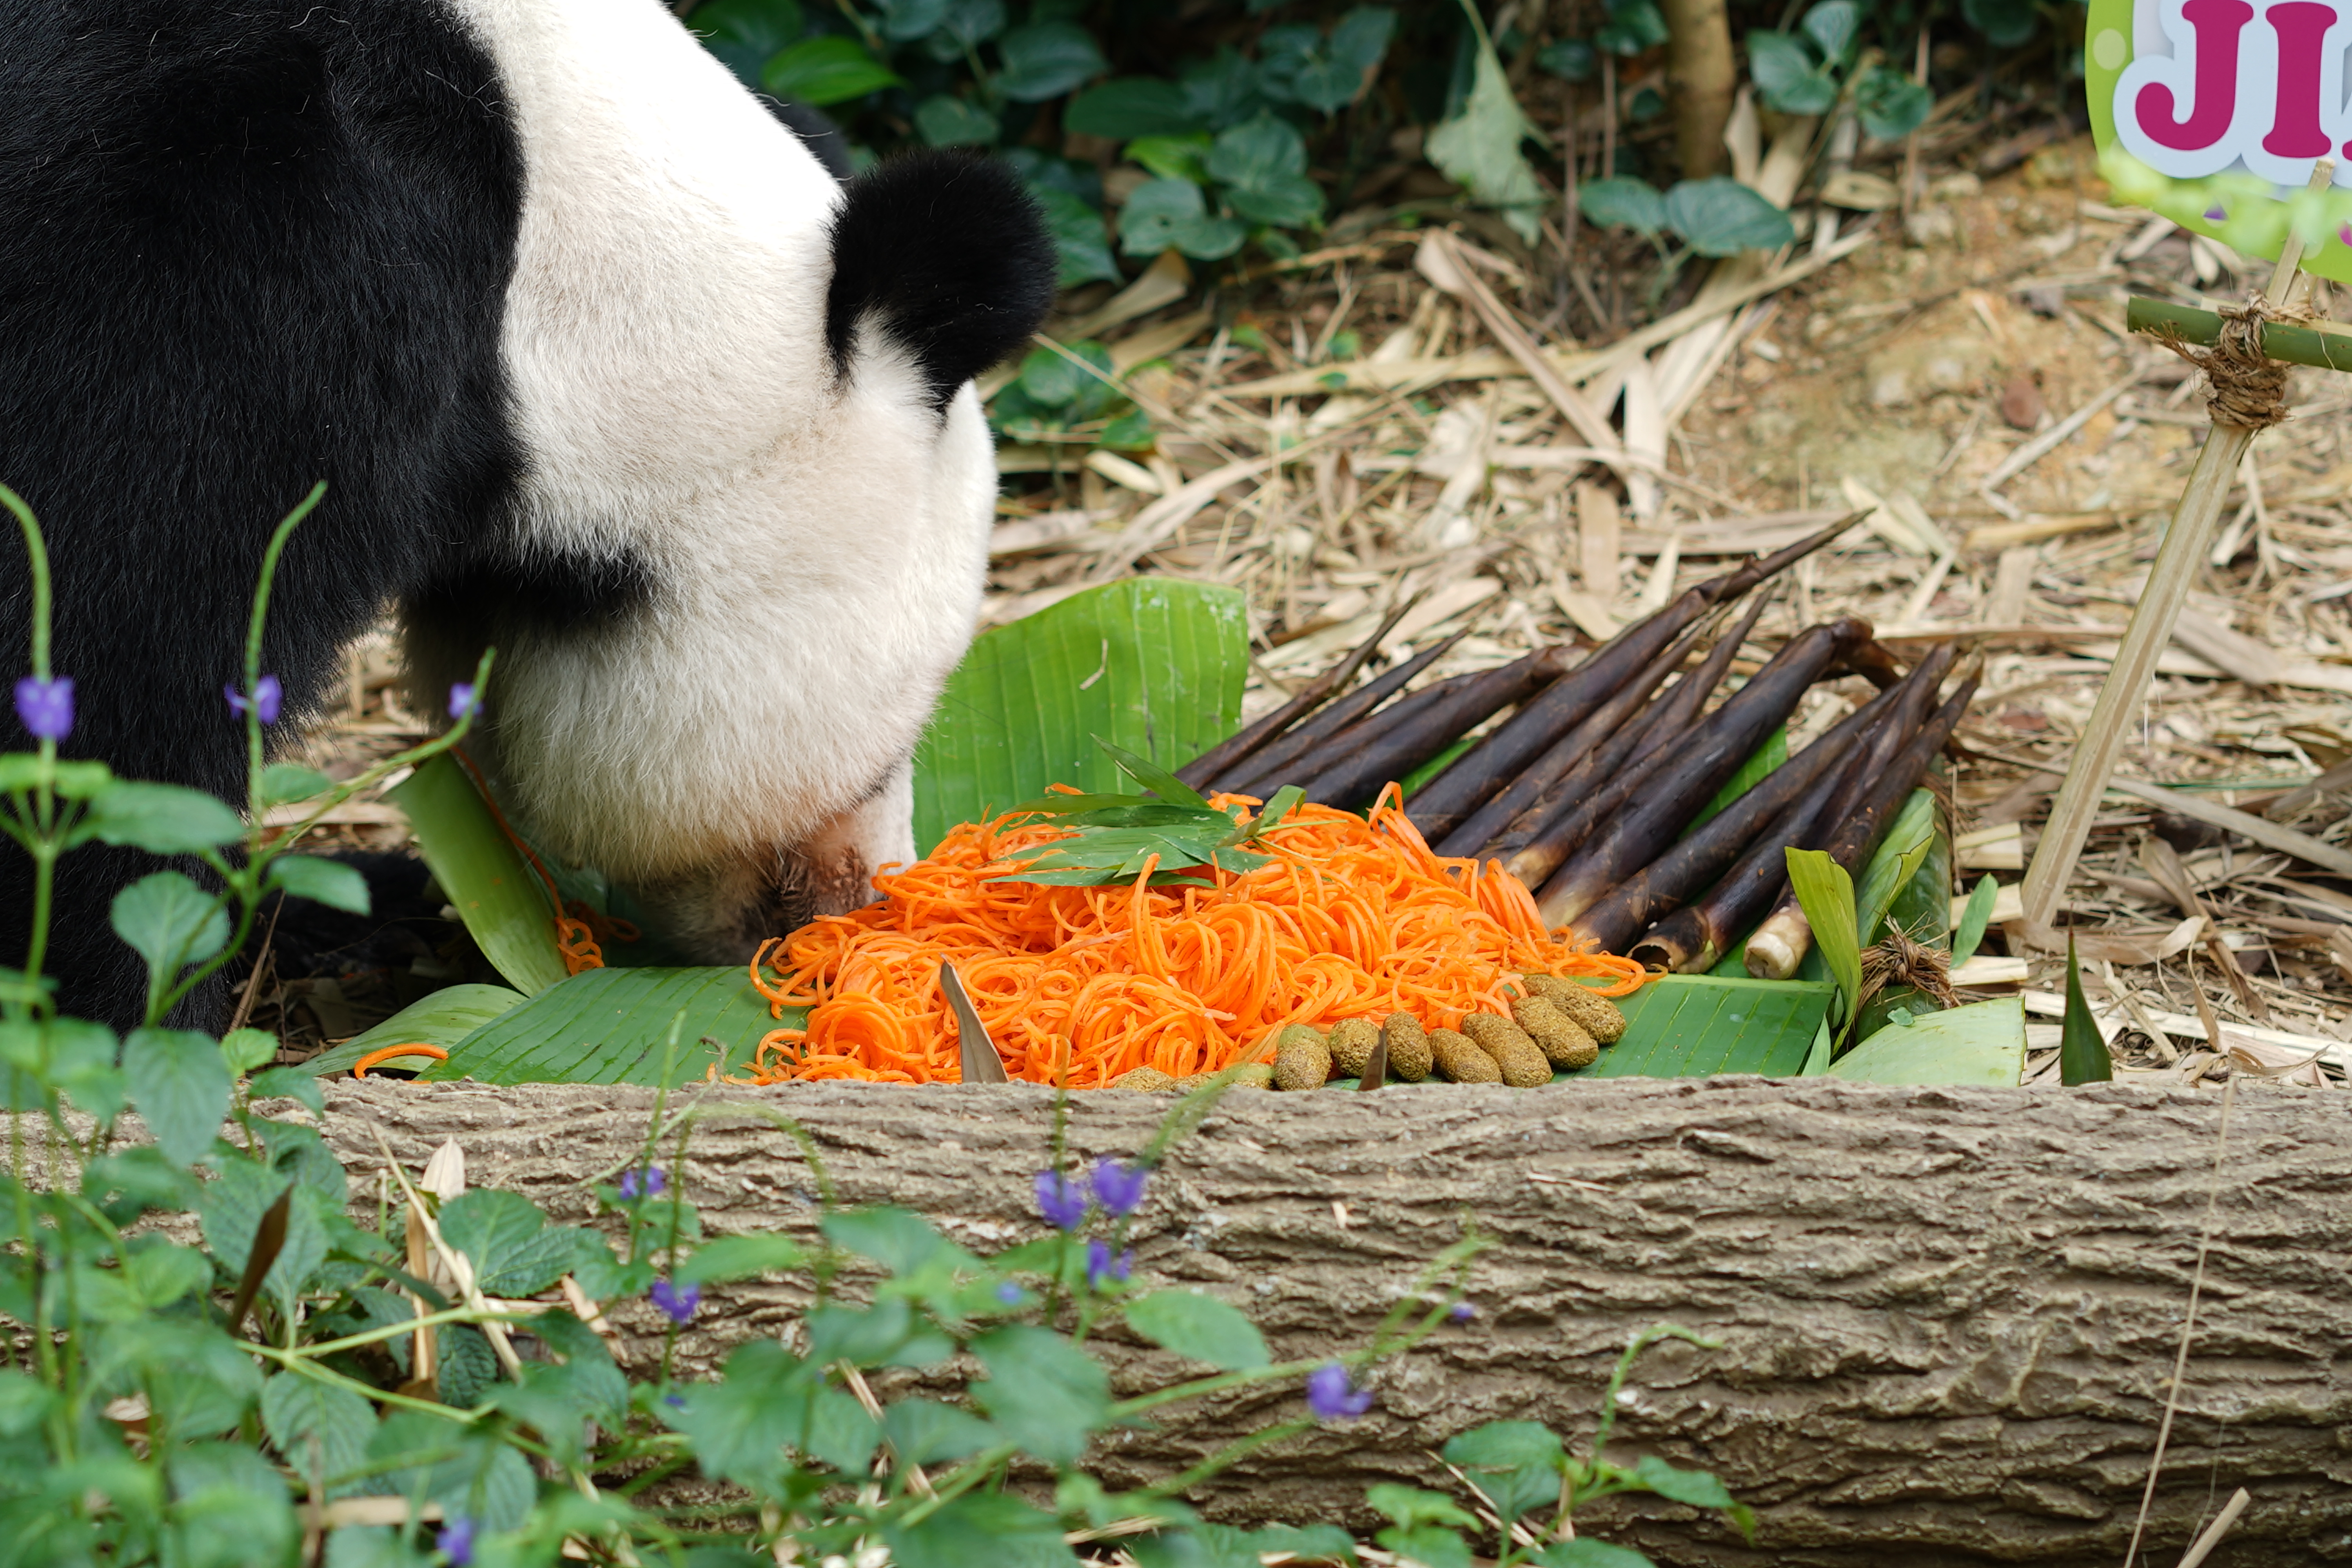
[1152, 665]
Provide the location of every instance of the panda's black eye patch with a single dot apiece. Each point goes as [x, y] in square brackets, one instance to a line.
[545, 590]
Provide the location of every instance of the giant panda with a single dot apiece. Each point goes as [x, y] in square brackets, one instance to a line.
[601, 366]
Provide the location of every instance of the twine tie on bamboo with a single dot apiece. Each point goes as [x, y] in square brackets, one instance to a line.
[2243, 386]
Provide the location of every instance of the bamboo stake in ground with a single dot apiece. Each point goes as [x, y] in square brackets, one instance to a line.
[2151, 624]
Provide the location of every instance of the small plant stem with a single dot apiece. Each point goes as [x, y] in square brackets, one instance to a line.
[1225, 1456]
[401, 1330]
[253, 638]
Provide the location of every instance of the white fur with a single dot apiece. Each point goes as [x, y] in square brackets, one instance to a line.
[820, 547]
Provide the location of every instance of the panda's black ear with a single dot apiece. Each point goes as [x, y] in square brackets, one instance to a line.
[945, 253]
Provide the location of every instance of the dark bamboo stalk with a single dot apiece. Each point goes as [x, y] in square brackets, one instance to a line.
[1781, 942]
[1624, 707]
[1636, 836]
[1439, 807]
[1731, 584]
[1231, 751]
[1264, 766]
[1358, 772]
[1693, 938]
[1409, 708]
[1804, 782]
[1875, 663]
[1706, 678]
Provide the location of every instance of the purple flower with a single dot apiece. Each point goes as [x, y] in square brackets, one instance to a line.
[646, 1184]
[2217, 213]
[2344, 234]
[676, 1304]
[1102, 1268]
[267, 696]
[457, 1540]
[1332, 1398]
[1462, 1311]
[46, 706]
[463, 699]
[1119, 1188]
[1009, 1293]
[1060, 1201]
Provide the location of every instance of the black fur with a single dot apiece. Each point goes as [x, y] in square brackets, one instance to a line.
[242, 248]
[947, 254]
[480, 599]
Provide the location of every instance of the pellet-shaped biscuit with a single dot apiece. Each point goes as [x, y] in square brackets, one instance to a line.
[1246, 1074]
[1562, 1039]
[1594, 1014]
[1409, 1057]
[1144, 1078]
[1521, 1060]
[1352, 1040]
[1459, 1058]
[1302, 1059]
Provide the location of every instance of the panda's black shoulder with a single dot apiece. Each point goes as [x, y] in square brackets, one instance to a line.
[945, 252]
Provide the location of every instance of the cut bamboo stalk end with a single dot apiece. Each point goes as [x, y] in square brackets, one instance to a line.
[2151, 631]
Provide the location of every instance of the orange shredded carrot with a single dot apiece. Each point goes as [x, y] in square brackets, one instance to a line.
[1353, 918]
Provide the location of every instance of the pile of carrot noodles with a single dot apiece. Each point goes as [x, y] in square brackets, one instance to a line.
[1353, 918]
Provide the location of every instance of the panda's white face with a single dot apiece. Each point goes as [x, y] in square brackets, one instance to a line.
[808, 537]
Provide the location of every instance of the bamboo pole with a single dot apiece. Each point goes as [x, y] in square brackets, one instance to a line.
[2150, 632]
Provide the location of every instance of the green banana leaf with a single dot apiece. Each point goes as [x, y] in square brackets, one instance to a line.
[443, 1018]
[1983, 1043]
[1152, 664]
[614, 1025]
[496, 893]
[1691, 1026]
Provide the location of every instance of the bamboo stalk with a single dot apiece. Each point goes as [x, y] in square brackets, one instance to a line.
[2320, 347]
[1234, 748]
[1779, 944]
[2151, 631]
[1263, 766]
[1715, 750]
[1358, 771]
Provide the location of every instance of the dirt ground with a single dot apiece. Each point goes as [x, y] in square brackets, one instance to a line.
[1900, 376]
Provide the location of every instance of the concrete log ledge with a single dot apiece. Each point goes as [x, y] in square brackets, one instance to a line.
[1948, 1316]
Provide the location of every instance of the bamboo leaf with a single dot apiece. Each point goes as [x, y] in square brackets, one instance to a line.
[442, 1018]
[1896, 860]
[494, 891]
[1983, 1043]
[1973, 921]
[2083, 1055]
[1152, 665]
[1826, 894]
[613, 1026]
[1692, 1025]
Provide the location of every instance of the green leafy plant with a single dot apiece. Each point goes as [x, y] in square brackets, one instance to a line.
[1069, 393]
[1116, 837]
[1802, 72]
[1714, 216]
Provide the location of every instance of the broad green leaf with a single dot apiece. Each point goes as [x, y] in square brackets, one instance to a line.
[1622, 203]
[1834, 25]
[2082, 1054]
[1478, 149]
[1336, 75]
[1585, 1553]
[1904, 848]
[2005, 24]
[170, 922]
[1786, 76]
[1720, 217]
[738, 1426]
[1973, 921]
[1407, 1507]
[1047, 1393]
[24, 1404]
[1826, 894]
[1174, 157]
[1634, 26]
[827, 70]
[1696, 1026]
[905, 19]
[159, 1273]
[1046, 59]
[925, 1432]
[1525, 1490]
[1570, 60]
[1503, 1446]
[181, 1086]
[501, 900]
[163, 819]
[1127, 108]
[966, 22]
[319, 1430]
[1154, 665]
[245, 1049]
[195, 1377]
[295, 1083]
[862, 1336]
[1165, 213]
[944, 120]
[284, 782]
[1257, 150]
[747, 33]
[440, 1018]
[1890, 104]
[613, 1026]
[901, 1240]
[1199, 1327]
[21, 771]
[731, 1257]
[328, 882]
[1429, 1545]
[1983, 1043]
[1081, 239]
[468, 1366]
[513, 1250]
[1696, 1488]
[487, 1481]
[229, 1508]
[1017, 1536]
